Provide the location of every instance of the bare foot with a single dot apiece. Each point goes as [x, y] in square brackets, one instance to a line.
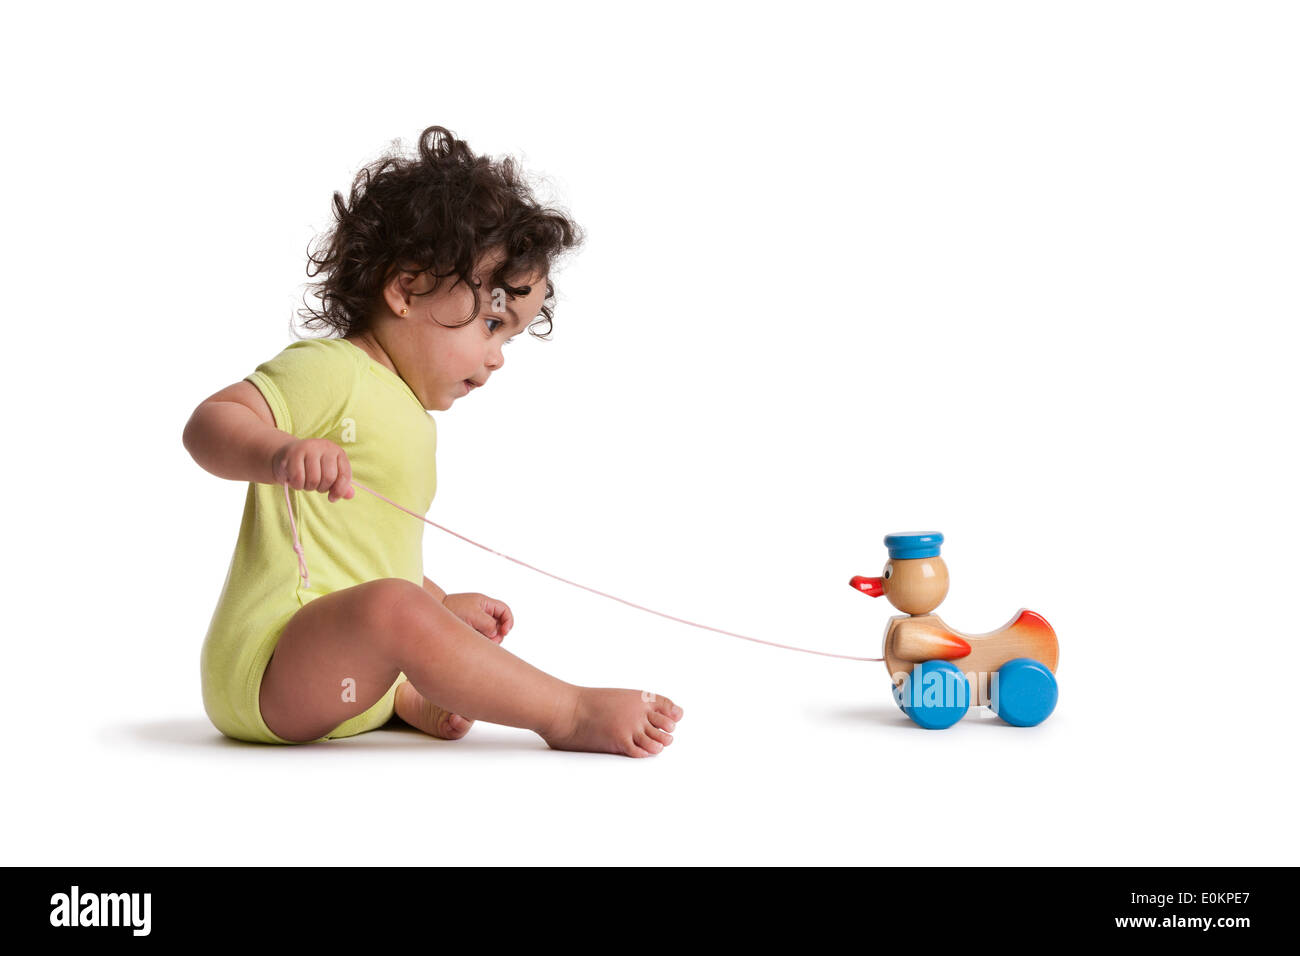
[628, 722]
[421, 713]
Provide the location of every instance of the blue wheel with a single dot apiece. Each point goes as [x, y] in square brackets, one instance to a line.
[935, 695]
[1025, 692]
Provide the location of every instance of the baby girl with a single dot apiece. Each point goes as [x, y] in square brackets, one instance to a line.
[435, 262]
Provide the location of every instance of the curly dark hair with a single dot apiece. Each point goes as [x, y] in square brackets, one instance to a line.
[440, 212]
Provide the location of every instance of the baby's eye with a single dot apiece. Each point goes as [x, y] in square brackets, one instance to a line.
[498, 322]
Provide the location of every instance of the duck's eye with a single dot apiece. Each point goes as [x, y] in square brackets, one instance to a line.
[889, 571]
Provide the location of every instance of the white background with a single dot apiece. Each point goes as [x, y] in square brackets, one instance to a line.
[1023, 273]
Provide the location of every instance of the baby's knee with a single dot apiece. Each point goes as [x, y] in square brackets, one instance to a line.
[377, 608]
[387, 593]
[407, 612]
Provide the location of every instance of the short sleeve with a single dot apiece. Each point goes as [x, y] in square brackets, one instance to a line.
[308, 385]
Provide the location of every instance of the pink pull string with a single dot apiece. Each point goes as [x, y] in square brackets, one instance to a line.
[302, 567]
[297, 545]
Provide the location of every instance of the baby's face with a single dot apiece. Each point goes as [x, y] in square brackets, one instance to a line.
[443, 364]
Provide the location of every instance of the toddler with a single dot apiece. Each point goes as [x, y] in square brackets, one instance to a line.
[434, 263]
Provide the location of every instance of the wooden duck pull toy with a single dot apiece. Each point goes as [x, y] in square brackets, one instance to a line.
[938, 672]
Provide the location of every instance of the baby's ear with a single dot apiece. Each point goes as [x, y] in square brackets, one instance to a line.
[419, 283]
[401, 284]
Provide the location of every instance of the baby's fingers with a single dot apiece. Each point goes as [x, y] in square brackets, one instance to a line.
[329, 474]
[342, 488]
[335, 474]
[311, 473]
[296, 473]
[342, 485]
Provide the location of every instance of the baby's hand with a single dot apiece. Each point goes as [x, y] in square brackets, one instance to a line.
[488, 616]
[314, 464]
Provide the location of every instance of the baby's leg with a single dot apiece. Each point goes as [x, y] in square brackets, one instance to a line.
[372, 631]
[410, 705]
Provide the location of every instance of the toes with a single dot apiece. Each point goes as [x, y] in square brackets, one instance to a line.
[662, 721]
[654, 733]
[455, 726]
[447, 725]
[643, 741]
[427, 716]
[666, 706]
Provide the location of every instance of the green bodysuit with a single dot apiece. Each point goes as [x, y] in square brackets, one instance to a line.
[320, 388]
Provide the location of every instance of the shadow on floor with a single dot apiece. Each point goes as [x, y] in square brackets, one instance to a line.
[889, 715]
[194, 733]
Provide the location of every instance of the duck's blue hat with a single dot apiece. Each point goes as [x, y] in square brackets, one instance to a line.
[913, 544]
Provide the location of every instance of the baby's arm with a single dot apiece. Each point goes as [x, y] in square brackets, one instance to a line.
[233, 435]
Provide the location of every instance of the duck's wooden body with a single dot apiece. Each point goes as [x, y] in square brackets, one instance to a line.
[911, 639]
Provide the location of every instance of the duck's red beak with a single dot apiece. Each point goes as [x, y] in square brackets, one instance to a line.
[874, 587]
